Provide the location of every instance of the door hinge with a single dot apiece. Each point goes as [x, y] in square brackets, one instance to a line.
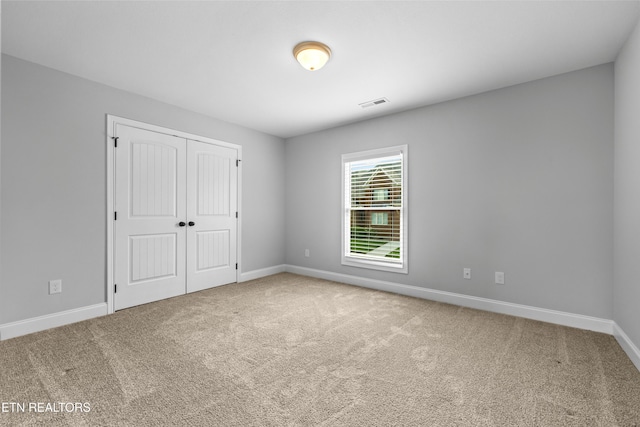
[236, 265]
[115, 216]
[238, 162]
[236, 214]
[115, 289]
[115, 141]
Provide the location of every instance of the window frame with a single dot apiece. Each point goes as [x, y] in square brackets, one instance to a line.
[391, 264]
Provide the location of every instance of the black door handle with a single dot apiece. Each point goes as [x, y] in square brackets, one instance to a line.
[182, 224]
[191, 223]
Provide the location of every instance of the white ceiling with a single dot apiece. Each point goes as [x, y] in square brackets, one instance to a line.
[233, 59]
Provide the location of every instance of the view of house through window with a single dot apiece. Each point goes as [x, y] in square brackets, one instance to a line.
[374, 233]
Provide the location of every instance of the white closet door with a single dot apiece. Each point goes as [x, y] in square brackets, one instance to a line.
[150, 199]
[212, 182]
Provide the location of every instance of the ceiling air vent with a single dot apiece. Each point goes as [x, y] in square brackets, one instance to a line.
[379, 101]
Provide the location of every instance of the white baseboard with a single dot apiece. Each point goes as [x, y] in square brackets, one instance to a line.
[37, 324]
[627, 345]
[551, 316]
[41, 323]
[262, 272]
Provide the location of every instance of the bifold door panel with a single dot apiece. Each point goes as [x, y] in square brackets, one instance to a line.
[176, 225]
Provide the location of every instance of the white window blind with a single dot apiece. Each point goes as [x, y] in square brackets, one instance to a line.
[374, 202]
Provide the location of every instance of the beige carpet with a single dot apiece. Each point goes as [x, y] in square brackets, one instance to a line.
[288, 350]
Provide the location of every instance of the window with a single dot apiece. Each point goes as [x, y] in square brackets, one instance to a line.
[380, 194]
[379, 218]
[374, 209]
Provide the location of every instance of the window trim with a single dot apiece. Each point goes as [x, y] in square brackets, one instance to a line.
[392, 265]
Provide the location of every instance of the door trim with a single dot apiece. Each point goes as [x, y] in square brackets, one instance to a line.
[112, 121]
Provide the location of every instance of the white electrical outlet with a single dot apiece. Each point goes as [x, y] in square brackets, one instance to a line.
[466, 273]
[499, 278]
[306, 253]
[55, 286]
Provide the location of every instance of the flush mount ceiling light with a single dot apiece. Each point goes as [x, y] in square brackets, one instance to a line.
[312, 55]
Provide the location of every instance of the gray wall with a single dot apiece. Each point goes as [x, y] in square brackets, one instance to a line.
[518, 180]
[626, 291]
[53, 176]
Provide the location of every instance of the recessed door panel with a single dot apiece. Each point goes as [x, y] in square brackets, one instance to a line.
[212, 249]
[152, 257]
[213, 184]
[154, 179]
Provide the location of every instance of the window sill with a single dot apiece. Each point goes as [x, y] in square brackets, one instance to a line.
[395, 267]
